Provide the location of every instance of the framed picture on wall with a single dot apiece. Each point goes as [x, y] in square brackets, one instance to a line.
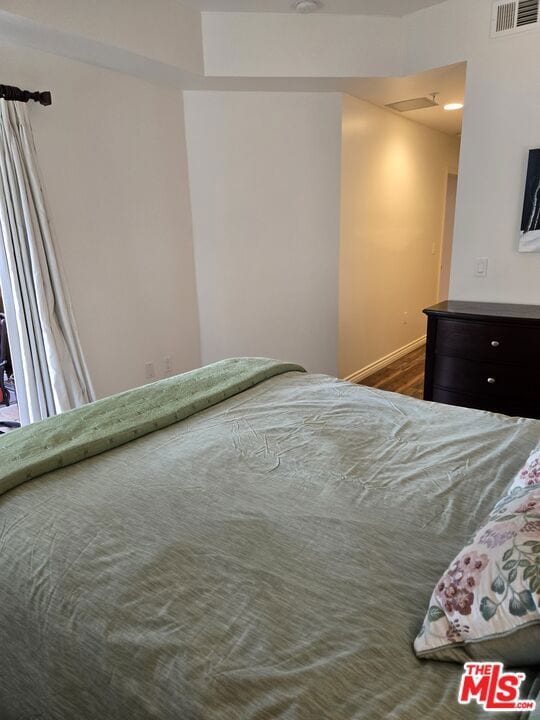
[530, 222]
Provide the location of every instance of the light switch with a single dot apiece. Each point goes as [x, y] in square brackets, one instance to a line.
[481, 267]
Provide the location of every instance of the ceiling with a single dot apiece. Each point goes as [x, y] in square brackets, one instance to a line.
[448, 81]
[397, 8]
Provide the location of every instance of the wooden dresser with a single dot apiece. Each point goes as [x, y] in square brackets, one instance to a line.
[484, 355]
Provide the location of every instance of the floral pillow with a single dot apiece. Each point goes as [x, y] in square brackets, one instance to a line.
[530, 472]
[486, 606]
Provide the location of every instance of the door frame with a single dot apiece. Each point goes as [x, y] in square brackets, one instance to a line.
[449, 170]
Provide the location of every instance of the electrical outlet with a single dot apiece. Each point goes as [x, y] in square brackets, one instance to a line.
[149, 370]
[167, 365]
[481, 267]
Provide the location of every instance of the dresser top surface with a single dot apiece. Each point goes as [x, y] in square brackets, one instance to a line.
[491, 311]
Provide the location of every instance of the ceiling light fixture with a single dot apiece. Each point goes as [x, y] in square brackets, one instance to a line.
[307, 6]
[453, 106]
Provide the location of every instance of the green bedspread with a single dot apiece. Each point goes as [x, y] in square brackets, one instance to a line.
[114, 421]
[270, 557]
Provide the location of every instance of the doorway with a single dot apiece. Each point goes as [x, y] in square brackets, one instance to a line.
[448, 237]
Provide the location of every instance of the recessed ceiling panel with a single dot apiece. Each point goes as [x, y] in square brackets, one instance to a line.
[397, 8]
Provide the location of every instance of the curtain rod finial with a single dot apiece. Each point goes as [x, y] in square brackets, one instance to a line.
[45, 98]
[10, 92]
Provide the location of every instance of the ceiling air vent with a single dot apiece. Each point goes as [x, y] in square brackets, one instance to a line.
[527, 13]
[413, 104]
[514, 16]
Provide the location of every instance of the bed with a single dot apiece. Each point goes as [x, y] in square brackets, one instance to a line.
[246, 541]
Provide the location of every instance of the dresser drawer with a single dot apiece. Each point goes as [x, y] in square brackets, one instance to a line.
[517, 408]
[486, 379]
[488, 342]
[485, 356]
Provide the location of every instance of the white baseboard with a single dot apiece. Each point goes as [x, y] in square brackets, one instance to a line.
[386, 360]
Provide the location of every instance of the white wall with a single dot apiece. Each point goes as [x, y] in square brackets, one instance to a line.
[113, 159]
[502, 116]
[293, 203]
[501, 123]
[392, 211]
[161, 30]
[289, 45]
[264, 175]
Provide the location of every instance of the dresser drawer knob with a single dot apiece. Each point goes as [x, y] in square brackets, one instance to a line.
[491, 381]
[495, 343]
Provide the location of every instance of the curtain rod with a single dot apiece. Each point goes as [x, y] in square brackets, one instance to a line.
[9, 92]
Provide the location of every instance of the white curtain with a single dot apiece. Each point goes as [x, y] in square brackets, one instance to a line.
[50, 371]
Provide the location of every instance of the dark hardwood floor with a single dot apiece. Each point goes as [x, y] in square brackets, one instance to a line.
[405, 376]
